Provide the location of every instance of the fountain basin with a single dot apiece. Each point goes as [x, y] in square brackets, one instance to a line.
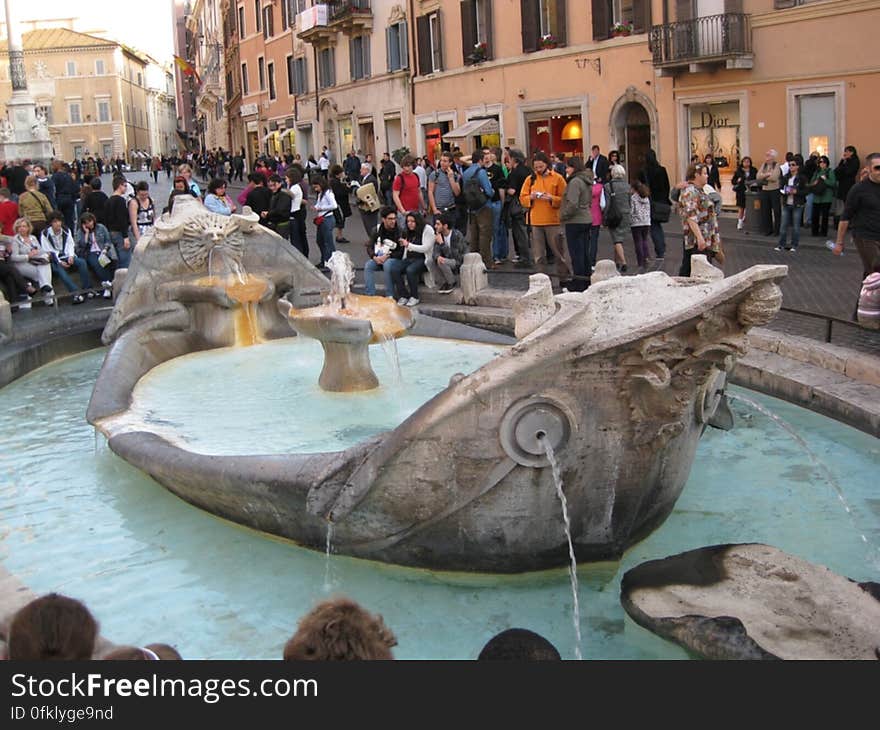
[133, 545]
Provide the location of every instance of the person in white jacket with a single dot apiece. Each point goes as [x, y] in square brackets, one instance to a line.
[57, 242]
[418, 244]
[30, 260]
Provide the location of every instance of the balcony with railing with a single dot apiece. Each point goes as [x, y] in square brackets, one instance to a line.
[314, 26]
[352, 17]
[701, 44]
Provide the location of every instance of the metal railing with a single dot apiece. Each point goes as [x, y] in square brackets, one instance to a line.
[338, 9]
[710, 37]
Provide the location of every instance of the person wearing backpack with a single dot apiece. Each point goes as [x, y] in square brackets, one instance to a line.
[406, 191]
[577, 215]
[541, 195]
[477, 191]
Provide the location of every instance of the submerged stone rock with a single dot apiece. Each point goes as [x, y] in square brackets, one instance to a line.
[753, 601]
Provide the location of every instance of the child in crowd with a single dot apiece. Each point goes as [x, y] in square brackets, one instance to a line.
[640, 216]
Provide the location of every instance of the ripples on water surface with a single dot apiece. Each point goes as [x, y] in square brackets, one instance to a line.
[153, 568]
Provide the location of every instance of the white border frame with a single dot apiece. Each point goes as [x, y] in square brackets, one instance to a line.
[792, 113]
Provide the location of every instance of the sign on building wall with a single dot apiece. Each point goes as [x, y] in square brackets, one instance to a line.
[714, 129]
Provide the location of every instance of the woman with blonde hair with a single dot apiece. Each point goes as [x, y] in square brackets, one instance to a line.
[34, 206]
[29, 258]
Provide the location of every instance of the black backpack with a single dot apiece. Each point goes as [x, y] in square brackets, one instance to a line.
[474, 195]
[611, 216]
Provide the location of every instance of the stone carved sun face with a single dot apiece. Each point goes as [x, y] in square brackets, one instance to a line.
[206, 233]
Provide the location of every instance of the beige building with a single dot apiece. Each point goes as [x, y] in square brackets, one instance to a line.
[334, 74]
[205, 26]
[729, 76]
[92, 91]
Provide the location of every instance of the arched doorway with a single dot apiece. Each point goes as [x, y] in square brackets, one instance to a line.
[633, 130]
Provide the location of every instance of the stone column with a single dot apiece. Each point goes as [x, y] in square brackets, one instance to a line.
[23, 135]
[16, 51]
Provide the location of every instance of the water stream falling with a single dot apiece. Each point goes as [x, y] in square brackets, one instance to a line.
[341, 278]
[557, 480]
[817, 462]
[389, 347]
[328, 583]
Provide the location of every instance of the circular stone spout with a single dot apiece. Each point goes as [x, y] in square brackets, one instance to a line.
[345, 332]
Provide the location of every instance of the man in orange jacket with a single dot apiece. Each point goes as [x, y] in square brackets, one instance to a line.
[541, 194]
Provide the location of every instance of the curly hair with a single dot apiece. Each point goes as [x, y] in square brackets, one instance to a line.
[340, 630]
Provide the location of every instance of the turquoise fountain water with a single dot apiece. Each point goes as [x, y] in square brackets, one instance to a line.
[153, 568]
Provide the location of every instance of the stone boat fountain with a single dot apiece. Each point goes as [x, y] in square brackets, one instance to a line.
[620, 381]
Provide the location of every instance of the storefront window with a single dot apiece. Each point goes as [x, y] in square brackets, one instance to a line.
[560, 133]
[715, 128]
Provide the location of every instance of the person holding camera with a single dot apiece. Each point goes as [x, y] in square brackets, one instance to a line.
[794, 195]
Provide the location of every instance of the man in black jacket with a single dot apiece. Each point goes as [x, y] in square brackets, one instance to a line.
[260, 197]
[599, 165]
[65, 193]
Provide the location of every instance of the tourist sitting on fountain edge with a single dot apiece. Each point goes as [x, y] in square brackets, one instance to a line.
[382, 249]
[448, 254]
[418, 244]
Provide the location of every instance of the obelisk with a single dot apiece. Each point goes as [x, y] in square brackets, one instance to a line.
[22, 134]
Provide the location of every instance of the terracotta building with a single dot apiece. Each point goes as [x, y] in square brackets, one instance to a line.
[93, 92]
[334, 74]
[205, 28]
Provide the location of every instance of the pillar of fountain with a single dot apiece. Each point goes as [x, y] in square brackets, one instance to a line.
[23, 133]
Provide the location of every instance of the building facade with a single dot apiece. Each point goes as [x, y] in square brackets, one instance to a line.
[204, 23]
[161, 109]
[750, 75]
[310, 76]
[684, 77]
[185, 86]
[92, 91]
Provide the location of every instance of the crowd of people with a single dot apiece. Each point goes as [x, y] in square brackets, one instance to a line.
[419, 219]
[61, 225]
[55, 627]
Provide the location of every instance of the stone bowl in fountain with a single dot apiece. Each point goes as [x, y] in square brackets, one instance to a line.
[345, 326]
[618, 383]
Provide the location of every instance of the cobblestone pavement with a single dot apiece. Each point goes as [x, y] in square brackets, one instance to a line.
[818, 283]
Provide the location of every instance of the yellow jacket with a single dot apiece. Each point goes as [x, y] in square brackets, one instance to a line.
[545, 210]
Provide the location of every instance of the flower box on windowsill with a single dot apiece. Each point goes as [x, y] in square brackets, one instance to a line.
[547, 42]
[619, 30]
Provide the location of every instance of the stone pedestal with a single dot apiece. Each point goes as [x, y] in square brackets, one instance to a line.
[534, 307]
[473, 276]
[24, 136]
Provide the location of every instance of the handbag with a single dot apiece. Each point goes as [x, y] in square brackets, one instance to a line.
[818, 187]
[340, 219]
[660, 211]
[319, 219]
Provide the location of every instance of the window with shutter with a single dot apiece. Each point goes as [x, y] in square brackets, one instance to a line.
[641, 16]
[601, 19]
[684, 10]
[781, 4]
[468, 31]
[560, 24]
[436, 41]
[531, 31]
[423, 35]
[396, 48]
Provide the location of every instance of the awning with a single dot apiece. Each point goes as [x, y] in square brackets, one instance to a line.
[273, 133]
[475, 126]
